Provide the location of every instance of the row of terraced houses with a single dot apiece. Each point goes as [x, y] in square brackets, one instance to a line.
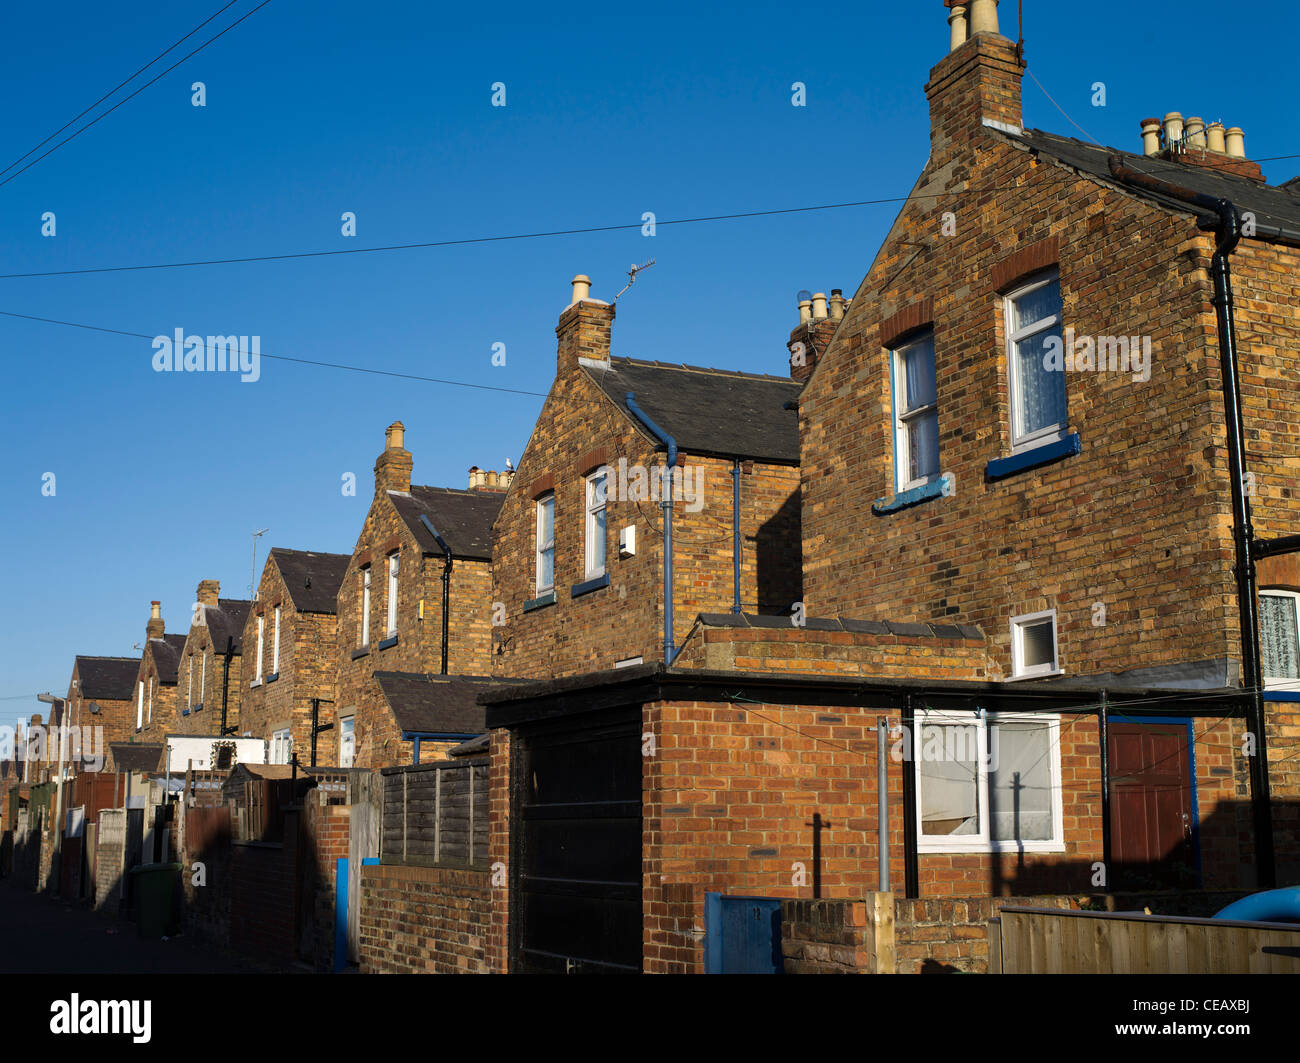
[996, 595]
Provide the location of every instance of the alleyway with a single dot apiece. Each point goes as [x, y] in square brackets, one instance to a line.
[43, 935]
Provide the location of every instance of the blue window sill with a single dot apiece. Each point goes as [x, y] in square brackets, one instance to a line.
[269, 679]
[363, 652]
[882, 506]
[386, 643]
[198, 707]
[1000, 468]
[1282, 695]
[579, 589]
[185, 712]
[540, 602]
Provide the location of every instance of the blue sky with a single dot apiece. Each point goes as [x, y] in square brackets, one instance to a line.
[384, 109]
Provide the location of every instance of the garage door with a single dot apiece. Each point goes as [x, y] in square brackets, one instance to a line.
[577, 862]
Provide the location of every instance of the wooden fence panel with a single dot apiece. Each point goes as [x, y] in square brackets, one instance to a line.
[435, 814]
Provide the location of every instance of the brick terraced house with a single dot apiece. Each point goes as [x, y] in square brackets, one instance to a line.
[157, 708]
[292, 635]
[579, 547]
[209, 690]
[415, 603]
[1031, 635]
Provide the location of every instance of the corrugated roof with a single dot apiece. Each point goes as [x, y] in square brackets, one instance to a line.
[709, 411]
[463, 518]
[313, 578]
[1276, 208]
[109, 678]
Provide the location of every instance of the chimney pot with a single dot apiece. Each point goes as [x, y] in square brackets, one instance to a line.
[155, 610]
[1150, 136]
[805, 311]
[837, 304]
[819, 306]
[957, 26]
[983, 16]
[1173, 129]
[581, 288]
[1214, 138]
[1235, 141]
[155, 628]
[1196, 132]
[393, 436]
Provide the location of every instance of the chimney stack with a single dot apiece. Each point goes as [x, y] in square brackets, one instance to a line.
[583, 333]
[489, 479]
[1197, 144]
[393, 466]
[976, 84]
[155, 628]
[208, 593]
[816, 326]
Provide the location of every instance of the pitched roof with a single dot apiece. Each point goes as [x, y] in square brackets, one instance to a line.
[1276, 208]
[313, 579]
[167, 656]
[226, 620]
[436, 704]
[110, 678]
[463, 519]
[709, 411]
[136, 756]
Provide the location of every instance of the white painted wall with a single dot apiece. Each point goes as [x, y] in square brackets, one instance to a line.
[182, 749]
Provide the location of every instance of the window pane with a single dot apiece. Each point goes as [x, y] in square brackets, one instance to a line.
[1278, 636]
[546, 570]
[918, 373]
[1034, 306]
[598, 486]
[598, 541]
[1020, 781]
[1040, 398]
[546, 524]
[1037, 644]
[923, 445]
[949, 781]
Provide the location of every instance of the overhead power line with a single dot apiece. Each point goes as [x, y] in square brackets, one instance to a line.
[118, 87]
[105, 114]
[287, 358]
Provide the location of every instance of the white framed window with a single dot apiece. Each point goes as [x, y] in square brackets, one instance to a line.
[139, 708]
[594, 535]
[189, 689]
[203, 675]
[261, 641]
[1033, 318]
[1279, 638]
[916, 413]
[989, 784]
[365, 606]
[392, 595]
[150, 702]
[281, 746]
[347, 741]
[275, 643]
[545, 544]
[1033, 645]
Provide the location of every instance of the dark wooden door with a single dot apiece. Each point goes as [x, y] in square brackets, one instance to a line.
[1152, 816]
[578, 851]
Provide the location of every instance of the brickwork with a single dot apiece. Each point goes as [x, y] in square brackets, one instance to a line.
[499, 826]
[418, 920]
[838, 937]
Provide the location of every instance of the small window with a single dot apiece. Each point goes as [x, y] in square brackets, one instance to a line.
[1033, 322]
[365, 606]
[150, 702]
[989, 785]
[392, 595]
[139, 708]
[545, 544]
[261, 638]
[275, 644]
[347, 741]
[189, 673]
[1279, 637]
[916, 413]
[1033, 645]
[281, 746]
[203, 675]
[595, 530]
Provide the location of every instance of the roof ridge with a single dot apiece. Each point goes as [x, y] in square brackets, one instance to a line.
[683, 367]
[317, 553]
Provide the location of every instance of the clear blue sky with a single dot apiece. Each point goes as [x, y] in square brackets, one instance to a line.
[383, 108]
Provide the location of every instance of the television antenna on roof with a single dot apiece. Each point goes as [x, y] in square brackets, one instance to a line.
[631, 275]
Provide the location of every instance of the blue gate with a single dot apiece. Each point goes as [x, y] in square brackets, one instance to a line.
[742, 935]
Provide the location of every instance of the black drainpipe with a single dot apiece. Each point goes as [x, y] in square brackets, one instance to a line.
[1103, 741]
[225, 686]
[735, 532]
[446, 584]
[1228, 233]
[911, 865]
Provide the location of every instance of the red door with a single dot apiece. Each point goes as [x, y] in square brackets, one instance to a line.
[1152, 817]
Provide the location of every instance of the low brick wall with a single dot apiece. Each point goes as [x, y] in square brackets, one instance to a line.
[838, 936]
[418, 920]
[949, 935]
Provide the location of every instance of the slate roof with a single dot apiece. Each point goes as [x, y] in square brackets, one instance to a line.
[313, 579]
[709, 411]
[109, 678]
[463, 518]
[136, 756]
[167, 656]
[437, 704]
[843, 623]
[227, 621]
[1276, 208]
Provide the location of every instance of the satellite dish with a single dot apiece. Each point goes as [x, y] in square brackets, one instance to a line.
[94, 708]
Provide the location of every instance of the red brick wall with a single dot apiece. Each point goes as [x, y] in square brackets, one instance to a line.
[417, 920]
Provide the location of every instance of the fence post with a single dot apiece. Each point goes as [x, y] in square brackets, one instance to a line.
[437, 815]
[403, 817]
[470, 774]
